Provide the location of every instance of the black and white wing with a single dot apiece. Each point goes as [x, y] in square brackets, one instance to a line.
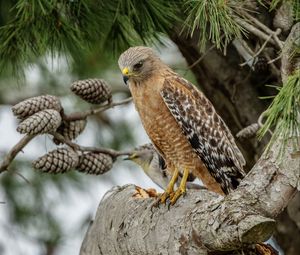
[206, 131]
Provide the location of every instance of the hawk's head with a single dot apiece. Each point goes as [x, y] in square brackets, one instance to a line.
[138, 63]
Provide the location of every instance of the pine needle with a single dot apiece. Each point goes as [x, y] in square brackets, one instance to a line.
[284, 112]
[215, 20]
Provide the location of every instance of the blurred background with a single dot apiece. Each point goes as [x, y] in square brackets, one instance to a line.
[46, 45]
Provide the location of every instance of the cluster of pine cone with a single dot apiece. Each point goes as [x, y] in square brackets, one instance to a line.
[65, 159]
[44, 115]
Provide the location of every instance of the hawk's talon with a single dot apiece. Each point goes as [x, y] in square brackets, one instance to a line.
[182, 187]
[179, 192]
[167, 194]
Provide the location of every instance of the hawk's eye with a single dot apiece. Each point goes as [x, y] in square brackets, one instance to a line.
[138, 65]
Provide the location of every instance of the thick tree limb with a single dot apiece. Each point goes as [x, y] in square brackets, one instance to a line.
[202, 220]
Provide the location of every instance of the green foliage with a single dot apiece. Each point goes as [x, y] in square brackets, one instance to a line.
[216, 20]
[133, 22]
[74, 28]
[296, 5]
[45, 26]
[284, 111]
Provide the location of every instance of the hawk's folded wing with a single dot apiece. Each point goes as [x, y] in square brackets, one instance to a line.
[206, 131]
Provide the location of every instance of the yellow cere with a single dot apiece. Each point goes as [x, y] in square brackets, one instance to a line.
[125, 71]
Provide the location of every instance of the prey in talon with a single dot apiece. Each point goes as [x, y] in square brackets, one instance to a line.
[154, 166]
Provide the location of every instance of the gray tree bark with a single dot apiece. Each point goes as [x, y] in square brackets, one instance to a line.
[202, 221]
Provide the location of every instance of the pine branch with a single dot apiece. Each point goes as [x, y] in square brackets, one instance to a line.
[284, 110]
[83, 115]
[215, 19]
[10, 156]
[45, 115]
[113, 153]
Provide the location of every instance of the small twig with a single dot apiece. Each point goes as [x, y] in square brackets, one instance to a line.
[258, 52]
[274, 59]
[14, 151]
[273, 66]
[266, 29]
[75, 146]
[82, 115]
[255, 31]
[202, 56]
[244, 50]
[260, 121]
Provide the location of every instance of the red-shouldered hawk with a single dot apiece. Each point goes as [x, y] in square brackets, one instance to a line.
[182, 124]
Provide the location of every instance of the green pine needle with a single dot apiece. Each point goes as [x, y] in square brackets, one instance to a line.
[134, 22]
[284, 112]
[215, 19]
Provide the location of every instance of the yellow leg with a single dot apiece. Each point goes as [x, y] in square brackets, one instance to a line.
[182, 187]
[170, 189]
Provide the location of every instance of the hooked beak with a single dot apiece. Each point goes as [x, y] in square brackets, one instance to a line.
[126, 74]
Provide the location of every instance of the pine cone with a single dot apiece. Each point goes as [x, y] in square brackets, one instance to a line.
[94, 91]
[261, 64]
[95, 163]
[71, 129]
[57, 161]
[248, 131]
[41, 122]
[35, 104]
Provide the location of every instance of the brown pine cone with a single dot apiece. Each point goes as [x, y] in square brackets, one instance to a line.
[94, 91]
[248, 131]
[71, 129]
[41, 122]
[57, 161]
[35, 104]
[95, 163]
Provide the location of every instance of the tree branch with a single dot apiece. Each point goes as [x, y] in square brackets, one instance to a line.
[71, 117]
[10, 156]
[75, 146]
[82, 115]
[265, 28]
[200, 221]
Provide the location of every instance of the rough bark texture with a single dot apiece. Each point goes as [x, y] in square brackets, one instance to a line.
[202, 220]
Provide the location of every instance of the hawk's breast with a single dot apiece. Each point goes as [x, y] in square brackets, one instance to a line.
[166, 134]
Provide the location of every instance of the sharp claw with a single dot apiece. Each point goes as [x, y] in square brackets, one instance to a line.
[169, 205]
[177, 194]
